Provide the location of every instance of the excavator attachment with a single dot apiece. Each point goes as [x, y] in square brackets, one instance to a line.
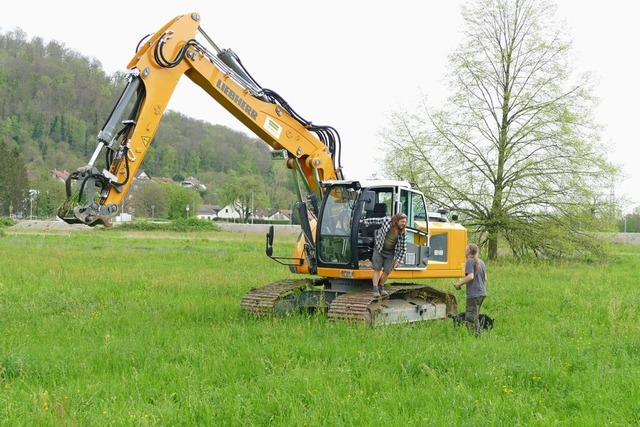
[82, 186]
[341, 300]
[87, 215]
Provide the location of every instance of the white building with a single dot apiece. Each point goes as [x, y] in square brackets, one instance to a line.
[228, 212]
[208, 212]
[280, 215]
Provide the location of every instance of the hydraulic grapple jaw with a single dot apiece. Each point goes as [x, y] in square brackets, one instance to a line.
[83, 194]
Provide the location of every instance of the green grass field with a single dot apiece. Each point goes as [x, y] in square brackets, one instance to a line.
[102, 328]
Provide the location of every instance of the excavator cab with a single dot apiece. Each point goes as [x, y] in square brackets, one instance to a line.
[345, 243]
[337, 245]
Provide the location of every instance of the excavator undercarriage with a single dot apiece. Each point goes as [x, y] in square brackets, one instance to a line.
[349, 300]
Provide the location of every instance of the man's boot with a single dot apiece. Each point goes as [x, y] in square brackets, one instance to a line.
[383, 293]
[376, 292]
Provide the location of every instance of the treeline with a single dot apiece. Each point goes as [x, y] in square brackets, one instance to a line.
[630, 223]
[53, 102]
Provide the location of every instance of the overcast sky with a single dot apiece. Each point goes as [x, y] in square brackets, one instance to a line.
[345, 65]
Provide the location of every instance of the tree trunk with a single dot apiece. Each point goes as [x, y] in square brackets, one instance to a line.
[495, 222]
[493, 247]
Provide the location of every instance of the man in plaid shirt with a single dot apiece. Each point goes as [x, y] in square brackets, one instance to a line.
[390, 248]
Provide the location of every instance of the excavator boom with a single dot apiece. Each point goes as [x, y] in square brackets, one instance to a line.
[153, 74]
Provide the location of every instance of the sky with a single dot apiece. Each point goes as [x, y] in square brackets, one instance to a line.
[349, 65]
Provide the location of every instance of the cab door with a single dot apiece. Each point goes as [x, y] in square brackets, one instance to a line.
[334, 227]
[412, 204]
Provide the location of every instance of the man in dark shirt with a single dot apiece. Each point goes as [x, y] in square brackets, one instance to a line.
[476, 282]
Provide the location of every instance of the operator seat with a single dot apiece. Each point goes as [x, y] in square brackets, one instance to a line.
[367, 240]
[379, 211]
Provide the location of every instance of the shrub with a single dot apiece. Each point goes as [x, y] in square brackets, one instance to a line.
[6, 222]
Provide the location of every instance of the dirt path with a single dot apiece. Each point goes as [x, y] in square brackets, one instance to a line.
[225, 226]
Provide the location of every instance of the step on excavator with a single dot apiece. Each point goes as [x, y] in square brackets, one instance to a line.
[334, 249]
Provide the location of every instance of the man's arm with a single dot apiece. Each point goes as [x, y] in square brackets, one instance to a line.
[464, 281]
[369, 221]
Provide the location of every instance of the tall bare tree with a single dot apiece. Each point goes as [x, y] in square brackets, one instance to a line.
[515, 151]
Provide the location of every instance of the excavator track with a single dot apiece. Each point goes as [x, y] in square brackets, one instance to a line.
[355, 305]
[266, 300]
[405, 303]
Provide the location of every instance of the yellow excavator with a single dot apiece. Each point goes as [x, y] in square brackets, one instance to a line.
[334, 249]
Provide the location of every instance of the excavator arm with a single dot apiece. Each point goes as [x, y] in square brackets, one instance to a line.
[313, 152]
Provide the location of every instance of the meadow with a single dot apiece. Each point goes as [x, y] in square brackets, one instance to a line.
[108, 328]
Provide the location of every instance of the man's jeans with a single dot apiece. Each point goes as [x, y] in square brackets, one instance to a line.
[471, 314]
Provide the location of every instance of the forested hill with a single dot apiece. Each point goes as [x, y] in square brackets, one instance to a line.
[53, 102]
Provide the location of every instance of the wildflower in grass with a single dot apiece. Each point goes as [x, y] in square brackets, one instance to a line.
[507, 389]
[580, 343]
[536, 378]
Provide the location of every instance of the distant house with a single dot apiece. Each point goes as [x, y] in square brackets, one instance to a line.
[59, 175]
[280, 215]
[209, 212]
[228, 212]
[192, 182]
[260, 214]
[142, 174]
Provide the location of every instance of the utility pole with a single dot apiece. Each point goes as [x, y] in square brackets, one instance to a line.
[31, 193]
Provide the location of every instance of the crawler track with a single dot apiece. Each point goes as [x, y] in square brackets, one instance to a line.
[264, 300]
[405, 303]
[355, 305]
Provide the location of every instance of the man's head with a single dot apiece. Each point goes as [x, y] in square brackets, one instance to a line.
[399, 220]
[471, 250]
